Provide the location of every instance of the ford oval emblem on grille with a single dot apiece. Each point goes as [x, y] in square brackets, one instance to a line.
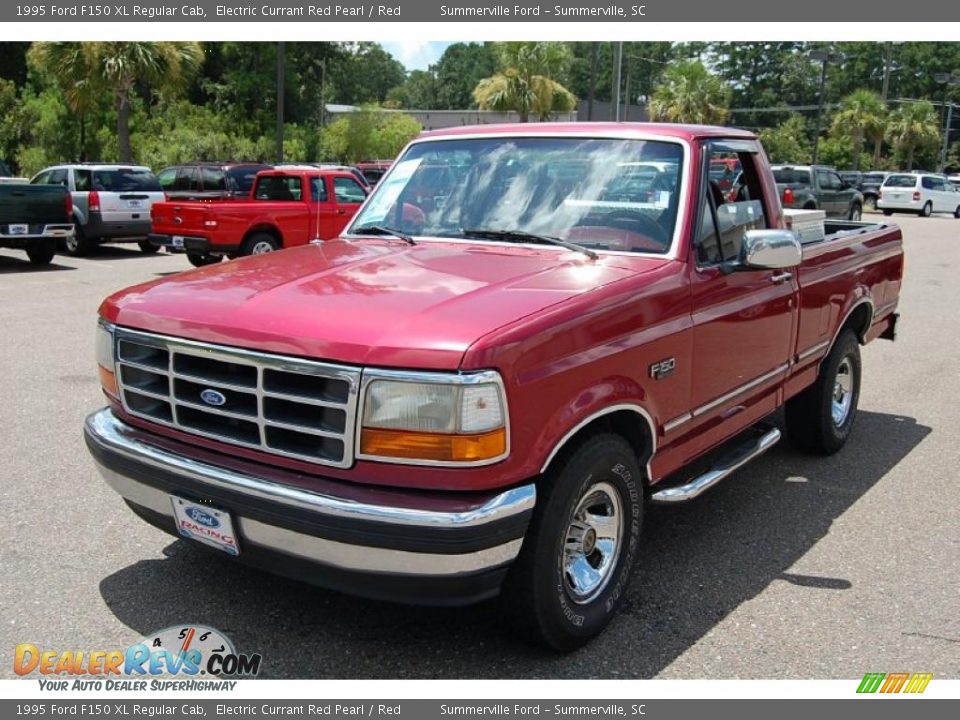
[202, 517]
[212, 397]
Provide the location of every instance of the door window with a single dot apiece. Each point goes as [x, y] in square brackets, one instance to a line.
[280, 188]
[82, 179]
[348, 190]
[318, 189]
[187, 179]
[41, 179]
[58, 177]
[167, 177]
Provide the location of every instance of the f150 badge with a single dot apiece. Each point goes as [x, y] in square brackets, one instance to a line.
[663, 368]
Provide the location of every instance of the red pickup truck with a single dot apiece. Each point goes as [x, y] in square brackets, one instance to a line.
[287, 207]
[479, 387]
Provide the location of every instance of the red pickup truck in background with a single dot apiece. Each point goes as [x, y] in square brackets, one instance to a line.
[287, 207]
[530, 333]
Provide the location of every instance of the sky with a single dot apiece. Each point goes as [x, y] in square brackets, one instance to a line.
[416, 54]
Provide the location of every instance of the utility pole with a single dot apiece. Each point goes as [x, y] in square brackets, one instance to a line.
[887, 59]
[617, 70]
[281, 61]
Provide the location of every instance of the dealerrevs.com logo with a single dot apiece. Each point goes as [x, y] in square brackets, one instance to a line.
[183, 657]
[892, 683]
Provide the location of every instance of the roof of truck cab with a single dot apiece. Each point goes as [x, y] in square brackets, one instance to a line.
[596, 129]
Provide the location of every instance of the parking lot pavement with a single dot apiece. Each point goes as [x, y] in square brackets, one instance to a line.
[796, 567]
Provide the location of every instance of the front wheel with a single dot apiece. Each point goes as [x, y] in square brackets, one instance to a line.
[819, 419]
[202, 259]
[888, 213]
[578, 554]
[927, 210]
[856, 212]
[147, 247]
[870, 202]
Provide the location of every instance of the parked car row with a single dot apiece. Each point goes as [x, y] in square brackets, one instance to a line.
[113, 202]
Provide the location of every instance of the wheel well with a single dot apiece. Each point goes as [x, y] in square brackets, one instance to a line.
[859, 321]
[265, 229]
[628, 424]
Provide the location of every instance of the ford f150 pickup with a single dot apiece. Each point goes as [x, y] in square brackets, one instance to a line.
[287, 207]
[478, 389]
[35, 218]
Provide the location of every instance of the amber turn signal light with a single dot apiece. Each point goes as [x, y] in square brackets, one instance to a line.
[433, 446]
[108, 381]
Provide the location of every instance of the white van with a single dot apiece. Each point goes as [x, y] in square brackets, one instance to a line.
[921, 193]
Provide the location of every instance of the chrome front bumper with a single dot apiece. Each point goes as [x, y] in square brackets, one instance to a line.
[407, 546]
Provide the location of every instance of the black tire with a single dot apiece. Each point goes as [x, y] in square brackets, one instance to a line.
[856, 212]
[77, 245]
[811, 424]
[927, 210]
[956, 213]
[203, 259]
[888, 213]
[538, 596]
[870, 202]
[254, 244]
[42, 254]
[147, 247]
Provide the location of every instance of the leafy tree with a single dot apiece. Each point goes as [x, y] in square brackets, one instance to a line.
[689, 93]
[913, 126]
[365, 73]
[458, 71]
[367, 134]
[788, 142]
[862, 115]
[525, 81]
[120, 65]
[418, 92]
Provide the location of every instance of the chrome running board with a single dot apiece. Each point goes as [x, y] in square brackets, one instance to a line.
[724, 467]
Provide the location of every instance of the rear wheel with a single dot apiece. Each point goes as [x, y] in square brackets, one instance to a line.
[856, 212]
[77, 244]
[956, 213]
[201, 259]
[927, 210]
[869, 202]
[260, 243]
[578, 554]
[41, 255]
[888, 213]
[820, 418]
[147, 247]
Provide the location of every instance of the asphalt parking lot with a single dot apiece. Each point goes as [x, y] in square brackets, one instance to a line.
[796, 567]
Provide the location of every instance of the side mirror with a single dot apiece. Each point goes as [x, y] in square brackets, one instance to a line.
[770, 250]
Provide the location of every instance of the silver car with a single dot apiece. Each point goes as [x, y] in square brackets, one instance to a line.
[111, 202]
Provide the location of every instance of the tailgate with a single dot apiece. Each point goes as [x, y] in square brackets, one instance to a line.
[124, 206]
[33, 204]
[181, 218]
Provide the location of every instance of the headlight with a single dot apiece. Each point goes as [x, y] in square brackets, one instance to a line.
[105, 362]
[437, 418]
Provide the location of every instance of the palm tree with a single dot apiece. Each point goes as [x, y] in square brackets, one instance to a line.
[689, 93]
[862, 115]
[525, 82]
[68, 64]
[913, 125]
[164, 66]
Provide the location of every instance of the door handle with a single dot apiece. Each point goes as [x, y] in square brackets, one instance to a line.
[341, 212]
[781, 277]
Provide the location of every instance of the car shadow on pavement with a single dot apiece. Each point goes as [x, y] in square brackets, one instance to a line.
[10, 264]
[699, 563]
[117, 252]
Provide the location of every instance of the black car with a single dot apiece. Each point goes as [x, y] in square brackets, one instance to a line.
[210, 180]
[870, 187]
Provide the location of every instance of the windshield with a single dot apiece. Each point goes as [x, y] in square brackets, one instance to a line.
[791, 176]
[608, 194]
[907, 181]
[125, 180]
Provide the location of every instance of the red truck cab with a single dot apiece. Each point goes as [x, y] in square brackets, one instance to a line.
[527, 335]
[287, 207]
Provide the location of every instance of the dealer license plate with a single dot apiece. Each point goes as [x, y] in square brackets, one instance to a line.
[206, 524]
[134, 203]
[19, 229]
[177, 241]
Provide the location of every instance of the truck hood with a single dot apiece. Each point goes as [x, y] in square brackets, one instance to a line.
[370, 302]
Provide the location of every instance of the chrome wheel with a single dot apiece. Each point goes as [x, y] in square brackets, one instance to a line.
[842, 393]
[261, 247]
[592, 543]
[72, 242]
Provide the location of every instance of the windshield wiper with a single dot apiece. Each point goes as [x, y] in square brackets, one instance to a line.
[522, 235]
[384, 230]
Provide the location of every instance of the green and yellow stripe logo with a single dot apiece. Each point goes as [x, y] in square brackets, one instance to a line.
[895, 682]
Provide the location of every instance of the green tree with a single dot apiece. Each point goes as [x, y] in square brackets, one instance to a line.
[913, 126]
[787, 142]
[525, 81]
[369, 133]
[418, 92]
[862, 115]
[458, 71]
[689, 93]
[163, 66]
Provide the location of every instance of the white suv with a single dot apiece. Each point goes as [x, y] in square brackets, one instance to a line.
[111, 203]
[921, 193]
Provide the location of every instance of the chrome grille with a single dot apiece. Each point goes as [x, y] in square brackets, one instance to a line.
[282, 405]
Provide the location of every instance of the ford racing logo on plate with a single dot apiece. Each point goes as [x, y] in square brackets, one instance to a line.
[213, 397]
[202, 517]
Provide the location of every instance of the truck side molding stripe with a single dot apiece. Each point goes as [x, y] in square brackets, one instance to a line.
[607, 411]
